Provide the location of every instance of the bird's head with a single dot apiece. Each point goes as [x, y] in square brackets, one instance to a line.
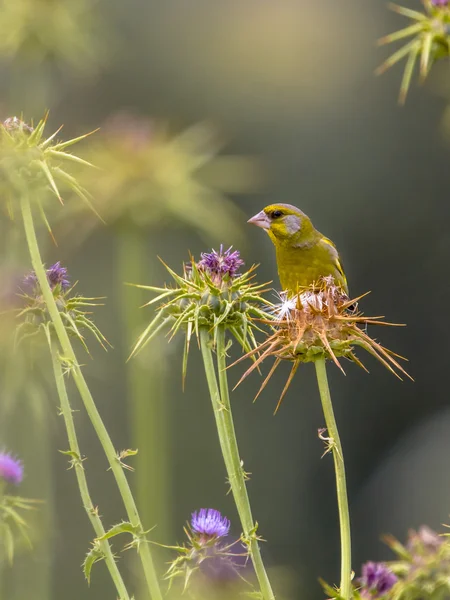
[283, 222]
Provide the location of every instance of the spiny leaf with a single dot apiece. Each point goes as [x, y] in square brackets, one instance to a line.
[94, 555]
[123, 527]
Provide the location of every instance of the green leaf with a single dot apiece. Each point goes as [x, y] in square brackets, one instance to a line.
[8, 541]
[94, 555]
[123, 527]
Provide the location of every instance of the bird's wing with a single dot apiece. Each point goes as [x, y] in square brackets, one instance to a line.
[336, 258]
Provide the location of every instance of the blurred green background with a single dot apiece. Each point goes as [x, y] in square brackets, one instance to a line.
[289, 84]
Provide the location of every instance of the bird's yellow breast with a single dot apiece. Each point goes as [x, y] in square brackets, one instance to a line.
[302, 266]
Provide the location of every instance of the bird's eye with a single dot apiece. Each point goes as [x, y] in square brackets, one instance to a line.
[276, 214]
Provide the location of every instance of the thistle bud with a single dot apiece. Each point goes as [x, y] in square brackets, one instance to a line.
[35, 316]
[210, 293]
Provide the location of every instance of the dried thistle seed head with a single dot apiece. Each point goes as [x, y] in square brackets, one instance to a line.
[320, 322]
[210, 294]
[33, 165]
[430, 33]
[34, 316]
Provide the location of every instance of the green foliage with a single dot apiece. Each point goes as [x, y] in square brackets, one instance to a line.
[13, 525]
[94, 555]
[33, 165]
[35, 318]
[431, 42]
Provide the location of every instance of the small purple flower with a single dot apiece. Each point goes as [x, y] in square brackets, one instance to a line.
[424, 540]
[209, 523]
[439, 2]
[376, 580]
[222, 264]
[11, 469]
[56, 275]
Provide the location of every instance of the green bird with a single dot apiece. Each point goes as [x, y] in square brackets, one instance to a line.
[304, 255]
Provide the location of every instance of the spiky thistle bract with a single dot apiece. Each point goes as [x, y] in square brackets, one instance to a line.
[14, 529]
[430, 32]
[210, 293]
[320, 322]
[34, 316]
[37, 166]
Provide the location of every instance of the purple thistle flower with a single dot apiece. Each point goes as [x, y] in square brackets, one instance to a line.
[222, 264]
[377, 579]
[209, 523]
[424, 540]
[56, 275]
[11, 469]
[439, 2]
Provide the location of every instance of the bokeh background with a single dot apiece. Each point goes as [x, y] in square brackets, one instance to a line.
[288, 87]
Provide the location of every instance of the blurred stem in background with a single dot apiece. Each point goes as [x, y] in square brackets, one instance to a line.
[26, 427]
[33, 441]
[145, 384]
[96, 420]
[76, 461]
[230, 451]
[334, 444]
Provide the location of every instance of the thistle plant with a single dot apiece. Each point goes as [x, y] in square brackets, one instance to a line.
[419, 572]
[151, 180]
[321, 323]
[421, 566]
[31, 171]
[209, 299]
[13, 525]
[35, 322]
[430, 33]
[25, 375]
[207, 560]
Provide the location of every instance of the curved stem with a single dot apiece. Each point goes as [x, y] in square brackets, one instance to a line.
[341, 486]
[91, 510]
[230, 451]
[91, 409]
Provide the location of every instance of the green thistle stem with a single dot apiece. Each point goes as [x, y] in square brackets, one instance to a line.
[89, 507]
[227, 437]
[341, 486]
[91, 409]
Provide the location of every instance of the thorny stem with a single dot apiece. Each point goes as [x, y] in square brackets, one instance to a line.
[89, 507]
[91, 409]
[230, 451]
[341, 487]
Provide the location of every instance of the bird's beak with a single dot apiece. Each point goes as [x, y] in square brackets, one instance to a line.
[260, 220]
